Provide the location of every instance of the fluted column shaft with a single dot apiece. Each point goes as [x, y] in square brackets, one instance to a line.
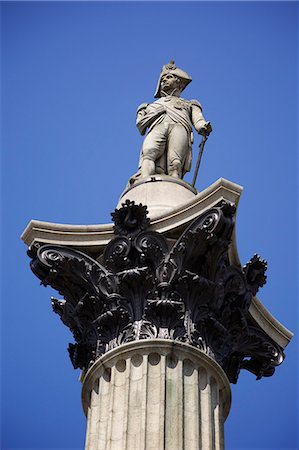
[155, 395]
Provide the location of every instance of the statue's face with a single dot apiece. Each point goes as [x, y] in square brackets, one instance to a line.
[169, 82]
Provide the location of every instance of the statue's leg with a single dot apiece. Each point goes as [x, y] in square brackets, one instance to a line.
[178, 147]
[152, 149]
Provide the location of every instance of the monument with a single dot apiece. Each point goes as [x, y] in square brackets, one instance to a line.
[164, 316]
[167, 146]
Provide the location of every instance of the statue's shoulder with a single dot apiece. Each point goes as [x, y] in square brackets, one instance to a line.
[191, 103]
[142, 106]
[195, 103]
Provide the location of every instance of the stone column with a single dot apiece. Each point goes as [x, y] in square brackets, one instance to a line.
[155, 395]
[161, 323]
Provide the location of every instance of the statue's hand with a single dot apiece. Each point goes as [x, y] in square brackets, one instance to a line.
[206, 129]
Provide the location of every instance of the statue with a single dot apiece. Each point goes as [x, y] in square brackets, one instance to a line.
[168, 121]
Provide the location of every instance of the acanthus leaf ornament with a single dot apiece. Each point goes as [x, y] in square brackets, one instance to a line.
[130, 219]
[254, 272]
[147, 287]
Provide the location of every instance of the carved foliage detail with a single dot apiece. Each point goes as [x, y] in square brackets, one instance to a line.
[143, 289]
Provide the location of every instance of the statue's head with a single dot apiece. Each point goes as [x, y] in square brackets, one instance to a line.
[171, 79]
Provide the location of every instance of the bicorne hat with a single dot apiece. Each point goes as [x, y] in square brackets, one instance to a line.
[172, 68]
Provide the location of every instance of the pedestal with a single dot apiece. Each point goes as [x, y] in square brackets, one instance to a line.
[155, 395]
[161, 194]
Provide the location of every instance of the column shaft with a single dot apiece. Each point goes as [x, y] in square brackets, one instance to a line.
[155, 395]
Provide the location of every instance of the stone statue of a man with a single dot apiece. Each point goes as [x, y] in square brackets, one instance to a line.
[168, 121]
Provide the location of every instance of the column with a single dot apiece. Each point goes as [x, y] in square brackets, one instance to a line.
[155, 395]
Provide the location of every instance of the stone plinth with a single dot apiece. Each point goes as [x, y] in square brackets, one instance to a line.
[155, 395]
[161, 194]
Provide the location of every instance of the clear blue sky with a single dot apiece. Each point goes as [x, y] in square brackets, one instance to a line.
[73, 75]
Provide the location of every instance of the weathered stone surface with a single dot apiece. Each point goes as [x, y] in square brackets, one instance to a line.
[155, 395]
[161, 194]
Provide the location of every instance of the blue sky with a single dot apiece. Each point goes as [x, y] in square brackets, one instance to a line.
[73, 75]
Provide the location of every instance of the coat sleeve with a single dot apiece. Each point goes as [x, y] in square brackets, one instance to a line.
[198, 120]
[147, 114]
[141, 112]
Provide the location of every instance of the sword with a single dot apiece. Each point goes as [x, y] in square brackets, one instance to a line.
[201, 147]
